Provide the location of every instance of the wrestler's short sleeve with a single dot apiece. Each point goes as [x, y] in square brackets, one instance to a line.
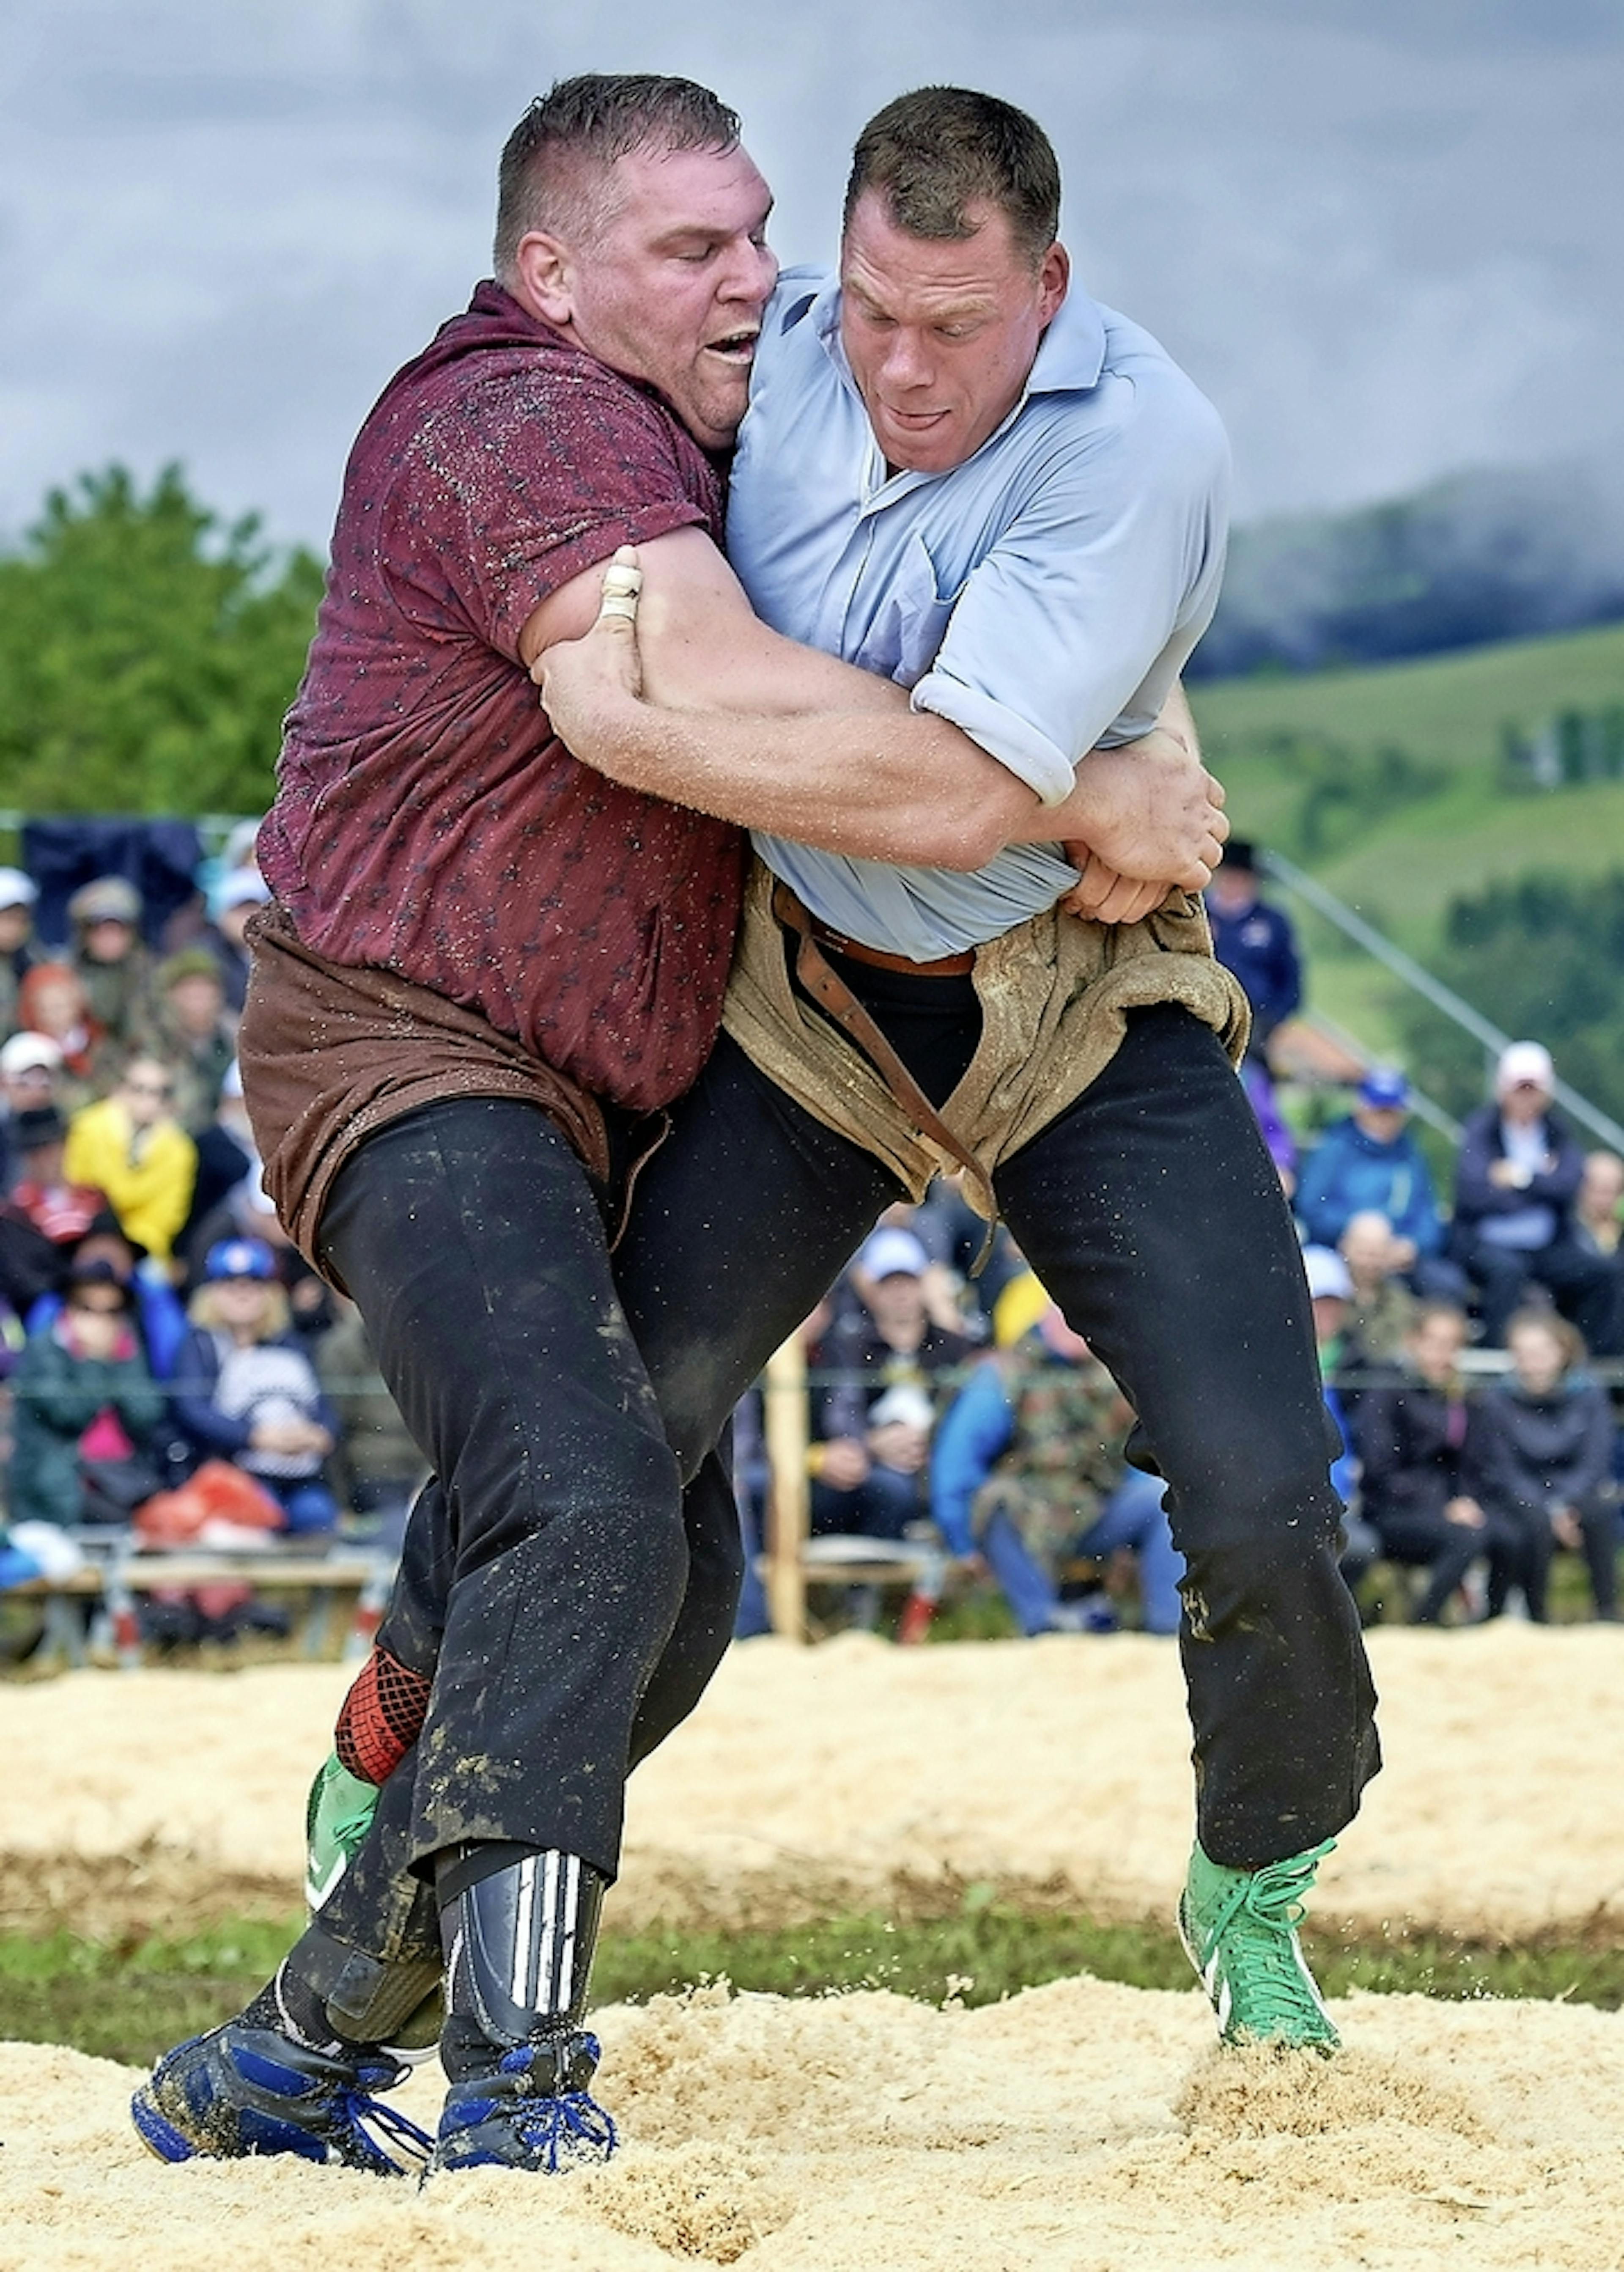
[543, 472]
[1072, 628]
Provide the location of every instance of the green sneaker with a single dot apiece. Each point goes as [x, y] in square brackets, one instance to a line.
[1239, 1928]
[337, 1817]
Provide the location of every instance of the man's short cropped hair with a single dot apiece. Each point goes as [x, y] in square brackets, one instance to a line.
[935, 152]
[584, 124]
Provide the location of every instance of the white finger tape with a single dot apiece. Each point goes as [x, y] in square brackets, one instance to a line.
[623, 580]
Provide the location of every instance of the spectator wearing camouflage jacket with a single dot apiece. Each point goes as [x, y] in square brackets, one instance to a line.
[1029, 1466]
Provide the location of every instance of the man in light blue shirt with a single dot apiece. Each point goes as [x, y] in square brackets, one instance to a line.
[1005, 507]
[1043, 599]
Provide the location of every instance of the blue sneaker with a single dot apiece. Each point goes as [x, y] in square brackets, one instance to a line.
[530, 2110]
[241, 2091]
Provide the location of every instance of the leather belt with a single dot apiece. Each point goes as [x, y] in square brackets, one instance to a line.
[836, 998]
[948, 966]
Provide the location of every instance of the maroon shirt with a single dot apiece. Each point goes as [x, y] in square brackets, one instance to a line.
[427, 821]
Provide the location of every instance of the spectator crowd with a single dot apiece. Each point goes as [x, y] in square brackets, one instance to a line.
[1456, 1341]
[171, 1366]
[171, 1363]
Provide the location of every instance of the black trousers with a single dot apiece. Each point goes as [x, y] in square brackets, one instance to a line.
[1584, 1286]
[1536, 1543]
[1426, 1539]
[574, 1601]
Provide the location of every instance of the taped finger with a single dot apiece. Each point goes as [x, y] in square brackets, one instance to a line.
[623, 581]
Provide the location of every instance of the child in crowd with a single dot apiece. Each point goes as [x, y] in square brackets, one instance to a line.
[84, 1407]
[52, 1003]
[245, 1391]
[1423, 1449]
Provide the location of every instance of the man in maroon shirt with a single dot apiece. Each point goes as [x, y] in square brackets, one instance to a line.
[485, 972]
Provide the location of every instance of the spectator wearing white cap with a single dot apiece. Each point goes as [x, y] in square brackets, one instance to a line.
[892, 1371]
[30, 1076]
[1516, 1181]
[18, 895]
[29, 1065]
[54, 1007]
[1330, 1293]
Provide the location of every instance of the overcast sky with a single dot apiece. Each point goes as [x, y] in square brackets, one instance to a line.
[1383, 234]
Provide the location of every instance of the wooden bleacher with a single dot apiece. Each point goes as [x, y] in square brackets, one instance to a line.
[114, 1576]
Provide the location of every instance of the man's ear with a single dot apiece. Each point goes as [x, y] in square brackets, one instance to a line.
[1053, 277]
[544, 277]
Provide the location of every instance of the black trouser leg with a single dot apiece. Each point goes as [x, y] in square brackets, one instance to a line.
[1535, 1544]
[470, 1237]
[1446, 1550]
[698, 1640]
[1153, 1214]
[1582, 1286]
[703, 1627]
[1598, 1522]
[743, 1218]
[1502, 1274]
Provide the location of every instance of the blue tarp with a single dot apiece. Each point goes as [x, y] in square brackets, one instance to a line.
[159, 857]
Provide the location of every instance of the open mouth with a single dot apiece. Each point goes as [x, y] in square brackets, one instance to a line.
[734, 347]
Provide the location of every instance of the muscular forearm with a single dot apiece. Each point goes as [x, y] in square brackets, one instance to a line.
[907, 789]
[696, 661]
[874, 781]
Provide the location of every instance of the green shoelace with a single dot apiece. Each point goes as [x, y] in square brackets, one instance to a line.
[1266, 1907]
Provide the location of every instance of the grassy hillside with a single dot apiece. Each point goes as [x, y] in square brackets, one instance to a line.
[1401, 866]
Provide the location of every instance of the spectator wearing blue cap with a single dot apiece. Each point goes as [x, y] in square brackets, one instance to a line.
[1370, 1164]
[245, 1391]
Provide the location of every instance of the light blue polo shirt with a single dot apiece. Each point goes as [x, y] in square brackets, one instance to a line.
[1043, 595]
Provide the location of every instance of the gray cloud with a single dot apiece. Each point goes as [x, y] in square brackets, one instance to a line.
[1383, 236]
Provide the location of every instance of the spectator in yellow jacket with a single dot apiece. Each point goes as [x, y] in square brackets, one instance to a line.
[131, 1147]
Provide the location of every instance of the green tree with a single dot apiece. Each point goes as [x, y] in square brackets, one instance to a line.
[1543, 956]
[147, 652]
